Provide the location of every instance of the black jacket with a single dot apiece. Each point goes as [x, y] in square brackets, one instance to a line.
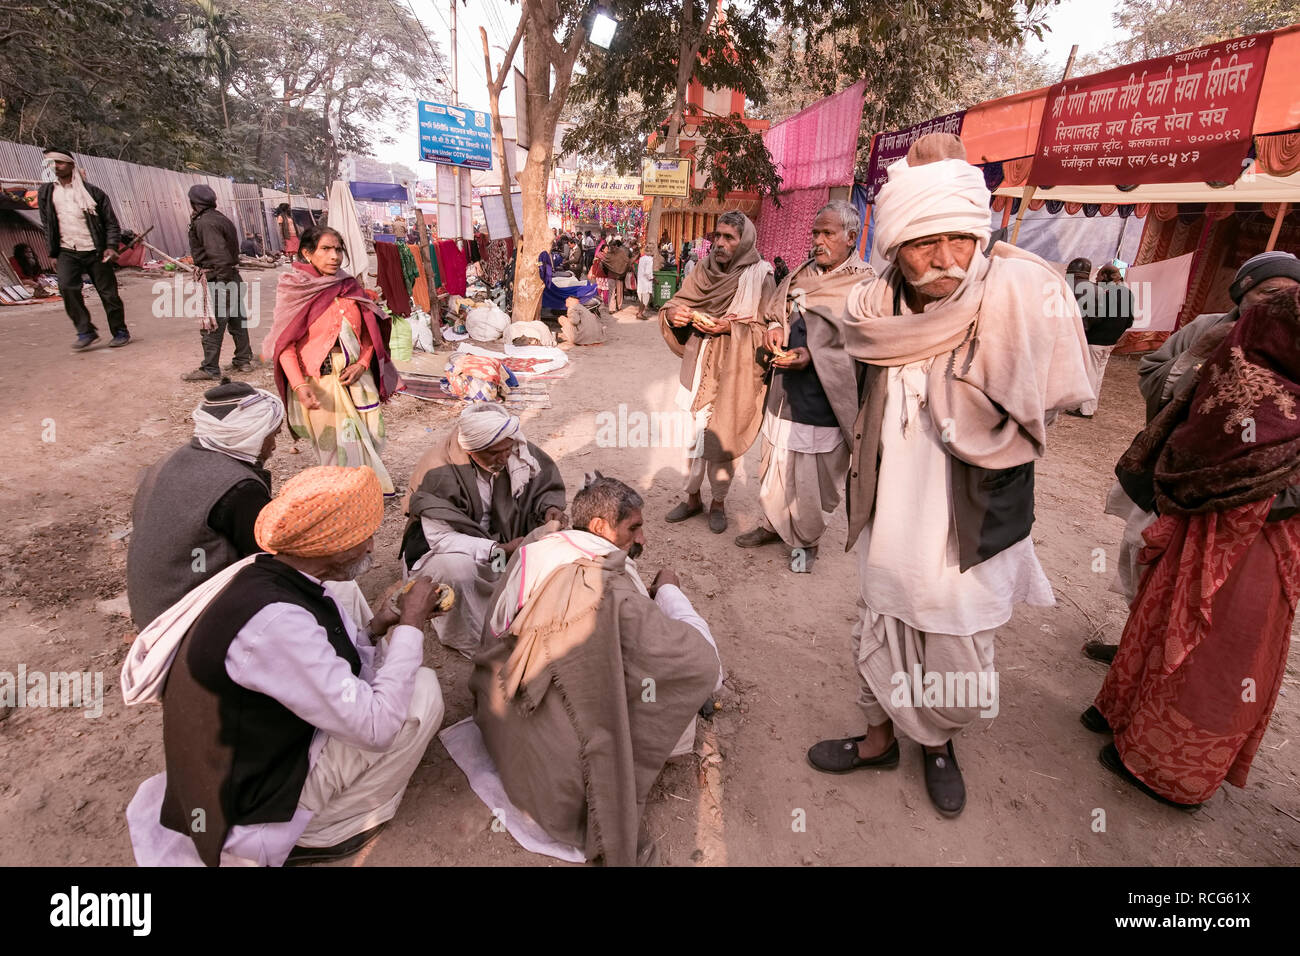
[214, 244]
[104, 229]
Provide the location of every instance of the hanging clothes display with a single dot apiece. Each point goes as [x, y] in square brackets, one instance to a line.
[451, 265]
[420, 291]
[391, 282]
[410, 271]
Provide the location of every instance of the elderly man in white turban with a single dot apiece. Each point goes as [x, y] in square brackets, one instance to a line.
[479, 493]
[966, 359]
[194, 511]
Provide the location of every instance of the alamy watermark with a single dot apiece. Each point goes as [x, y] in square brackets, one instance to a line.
[946, 689]
[183, 298]
[24, 689]
[638, 429]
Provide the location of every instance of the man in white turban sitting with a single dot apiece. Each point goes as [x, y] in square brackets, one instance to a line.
[966, 359]
[476, 495]
[290, 726]
[194, 511]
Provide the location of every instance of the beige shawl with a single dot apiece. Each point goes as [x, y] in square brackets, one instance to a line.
[821, 296]
[1012, 346]
[560, 701]
[720, 374]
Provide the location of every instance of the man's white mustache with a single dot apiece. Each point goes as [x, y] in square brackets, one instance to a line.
[934, 275]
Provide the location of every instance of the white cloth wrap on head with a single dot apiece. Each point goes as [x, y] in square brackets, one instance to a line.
[483, 424]
[241, 433]
[948, 196]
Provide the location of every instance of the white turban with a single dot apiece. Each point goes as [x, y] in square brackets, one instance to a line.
[948, 196]
[236, 419]
[483, 424]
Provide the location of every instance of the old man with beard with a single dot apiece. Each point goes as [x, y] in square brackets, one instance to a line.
[812, 401]
[966, 359]
[290, 730]
[715, 325]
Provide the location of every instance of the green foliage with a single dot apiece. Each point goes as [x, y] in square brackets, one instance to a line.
[624, 96]
[1162, 27]
[107, 78]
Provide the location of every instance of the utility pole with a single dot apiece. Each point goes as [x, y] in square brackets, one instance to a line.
[455, 101]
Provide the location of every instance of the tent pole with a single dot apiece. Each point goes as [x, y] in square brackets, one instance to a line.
[1020, 216]
[1282, 210]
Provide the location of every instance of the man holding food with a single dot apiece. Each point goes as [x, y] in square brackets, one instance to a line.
[715, 325]
[812, 401]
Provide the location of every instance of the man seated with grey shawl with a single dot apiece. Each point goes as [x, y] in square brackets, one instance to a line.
[194, 511]
[966, 359]
[812, 401]
[715, 325]
[586, 678]
[476, 496]
[1168, 372]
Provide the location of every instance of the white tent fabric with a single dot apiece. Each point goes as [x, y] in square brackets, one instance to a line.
[1062, 237]
[343, 217]
[1253, 186]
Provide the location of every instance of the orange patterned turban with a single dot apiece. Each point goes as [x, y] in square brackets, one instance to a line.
[322, 511]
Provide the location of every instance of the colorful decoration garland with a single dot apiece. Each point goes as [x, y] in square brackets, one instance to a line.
[628, 218]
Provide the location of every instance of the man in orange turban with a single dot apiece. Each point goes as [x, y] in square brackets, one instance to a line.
[331, 723]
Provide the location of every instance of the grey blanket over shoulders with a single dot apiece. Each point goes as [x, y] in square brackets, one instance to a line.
[561, 702]
[444, 488]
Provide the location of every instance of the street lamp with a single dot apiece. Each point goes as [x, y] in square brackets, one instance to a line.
[602, 30]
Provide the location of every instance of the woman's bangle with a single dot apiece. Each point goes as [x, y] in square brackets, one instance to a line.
[302, 385]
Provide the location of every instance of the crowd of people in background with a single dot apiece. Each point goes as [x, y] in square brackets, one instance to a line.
[923, 396]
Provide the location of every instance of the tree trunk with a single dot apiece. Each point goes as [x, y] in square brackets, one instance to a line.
[544, 108]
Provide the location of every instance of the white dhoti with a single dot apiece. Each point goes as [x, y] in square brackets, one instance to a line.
[474, 581]
[800, 479]
[350, 790]
[895, 664]
[1100, 355]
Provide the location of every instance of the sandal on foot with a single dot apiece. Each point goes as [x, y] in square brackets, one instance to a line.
[1092, 719]
[841, 756]
[1111, 760]
[308, 855]
[683, 511]
[943, 781]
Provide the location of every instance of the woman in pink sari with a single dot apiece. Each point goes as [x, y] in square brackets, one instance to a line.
[329, 347]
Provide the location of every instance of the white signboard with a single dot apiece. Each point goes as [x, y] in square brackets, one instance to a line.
[494, 211]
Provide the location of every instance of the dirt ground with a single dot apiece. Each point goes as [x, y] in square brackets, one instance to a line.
[76, 428]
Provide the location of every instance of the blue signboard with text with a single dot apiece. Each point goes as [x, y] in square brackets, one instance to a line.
[454, 136]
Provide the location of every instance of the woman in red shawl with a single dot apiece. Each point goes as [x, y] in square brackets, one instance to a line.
[329, 347]
[1203, 654]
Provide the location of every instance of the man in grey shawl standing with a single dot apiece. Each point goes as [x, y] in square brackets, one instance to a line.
[966, 359]
[812, 401]
[715, 324]
[479, 493]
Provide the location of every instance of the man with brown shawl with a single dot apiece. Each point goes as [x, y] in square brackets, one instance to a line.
[587, 678]
[812, 401]
[966, 358]
[479, 493]
[715, 324]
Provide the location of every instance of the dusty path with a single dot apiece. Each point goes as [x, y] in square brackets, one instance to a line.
[1032, 774]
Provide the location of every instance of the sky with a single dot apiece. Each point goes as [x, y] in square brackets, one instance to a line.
[1085, 22]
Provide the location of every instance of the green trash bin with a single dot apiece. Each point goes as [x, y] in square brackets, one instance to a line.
[665, 287]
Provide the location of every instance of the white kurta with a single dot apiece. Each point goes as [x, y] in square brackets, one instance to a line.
[908, 551]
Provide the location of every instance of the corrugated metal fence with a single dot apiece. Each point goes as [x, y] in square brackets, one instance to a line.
[145, 196]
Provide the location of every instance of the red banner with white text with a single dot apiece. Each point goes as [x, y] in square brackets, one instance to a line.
[1177, 119]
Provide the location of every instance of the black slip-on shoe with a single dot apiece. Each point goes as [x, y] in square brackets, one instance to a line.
[1092, 719]
[943, 781]
[841, 756]
[85, 341]
[308, 855]
[683, 511]
[1111, 760]
[717, 520]
[756, 538]
[1100, 651]
[119, 340]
